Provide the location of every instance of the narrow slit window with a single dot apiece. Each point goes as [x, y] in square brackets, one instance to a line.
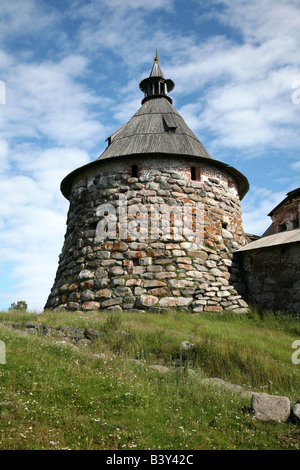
[193, 173]
[134, 171]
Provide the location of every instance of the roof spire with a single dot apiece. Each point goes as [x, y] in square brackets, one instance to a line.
[156, 85]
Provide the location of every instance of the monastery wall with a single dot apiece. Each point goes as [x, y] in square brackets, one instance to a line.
[271, 277]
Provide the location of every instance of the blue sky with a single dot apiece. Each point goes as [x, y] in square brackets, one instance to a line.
[71, 70]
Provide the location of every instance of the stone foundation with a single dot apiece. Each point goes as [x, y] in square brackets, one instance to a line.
[187, 268]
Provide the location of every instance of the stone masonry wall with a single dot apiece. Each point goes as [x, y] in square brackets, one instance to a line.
[150, 270]
[288, 215]
[273, 277]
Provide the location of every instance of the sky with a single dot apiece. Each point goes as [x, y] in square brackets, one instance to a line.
[69, 77]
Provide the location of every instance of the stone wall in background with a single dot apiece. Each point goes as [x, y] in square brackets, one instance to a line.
[287, 216]
[150, 270]
[271, 277]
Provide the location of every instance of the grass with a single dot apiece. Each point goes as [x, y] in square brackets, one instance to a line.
[57, 396]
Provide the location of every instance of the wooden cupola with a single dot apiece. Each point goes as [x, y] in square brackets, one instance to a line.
[156, 85]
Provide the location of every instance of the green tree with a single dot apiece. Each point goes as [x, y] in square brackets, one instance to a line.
[20, 305]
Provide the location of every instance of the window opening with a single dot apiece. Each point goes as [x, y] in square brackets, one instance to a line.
[193, 173]
[134, 171]
[282, 227]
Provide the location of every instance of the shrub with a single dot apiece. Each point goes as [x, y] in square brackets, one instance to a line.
[20, 305]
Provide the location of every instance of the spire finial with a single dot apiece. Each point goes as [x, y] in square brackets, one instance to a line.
[156, 58]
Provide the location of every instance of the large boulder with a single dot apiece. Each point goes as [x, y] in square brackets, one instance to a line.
[270, 407]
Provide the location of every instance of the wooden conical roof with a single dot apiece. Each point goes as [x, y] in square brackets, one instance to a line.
[156, 128]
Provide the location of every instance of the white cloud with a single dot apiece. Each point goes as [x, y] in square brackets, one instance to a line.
[295, 166]
[259, 21]
[4, 151]
[97, 9]
[26, 17]
[32, 220]
[251, 114]
[45, 100]
[256, 207]
[32, 247]
[242, 88]
[128, 31]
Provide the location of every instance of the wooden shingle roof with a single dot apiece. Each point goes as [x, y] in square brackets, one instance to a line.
[282, 238]
[156, 128]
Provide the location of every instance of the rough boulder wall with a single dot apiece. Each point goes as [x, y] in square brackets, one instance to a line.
[181, 258]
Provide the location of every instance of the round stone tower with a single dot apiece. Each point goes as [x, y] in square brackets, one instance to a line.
[153, 222]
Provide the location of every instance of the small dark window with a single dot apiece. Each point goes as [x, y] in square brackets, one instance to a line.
[193, 173]
[224, 225]
[134, 171]
[296, 223]
[282, 227]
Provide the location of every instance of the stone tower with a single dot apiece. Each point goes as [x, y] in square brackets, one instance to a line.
[153, 222]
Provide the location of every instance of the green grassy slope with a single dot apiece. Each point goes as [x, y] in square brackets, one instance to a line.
[56, 395]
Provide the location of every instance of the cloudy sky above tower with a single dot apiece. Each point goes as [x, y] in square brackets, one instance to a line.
[69, 76]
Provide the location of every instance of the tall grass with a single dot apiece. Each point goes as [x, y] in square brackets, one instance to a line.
[106, 395]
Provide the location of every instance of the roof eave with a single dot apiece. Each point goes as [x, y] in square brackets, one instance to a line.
[242, 181]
